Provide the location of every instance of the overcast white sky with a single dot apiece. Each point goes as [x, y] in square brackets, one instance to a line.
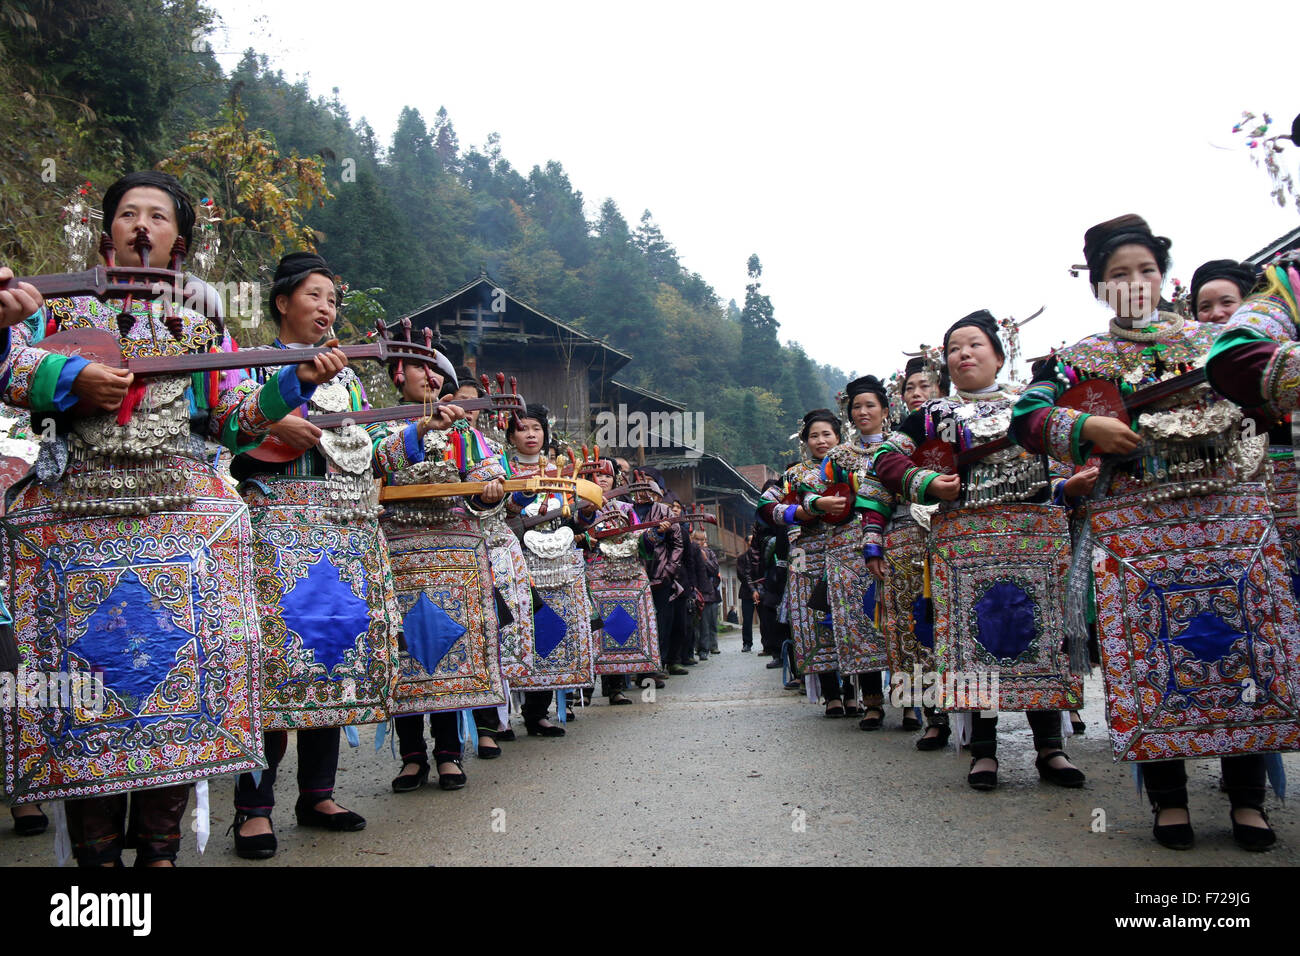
[894, 169]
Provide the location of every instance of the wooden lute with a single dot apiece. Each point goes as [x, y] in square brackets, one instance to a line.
[534, 485]
[273, 450]
[102, 347]
[105, 282]
[614, 532]
[1095, 396]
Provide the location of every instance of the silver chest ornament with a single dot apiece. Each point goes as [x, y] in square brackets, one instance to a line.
[123, 469]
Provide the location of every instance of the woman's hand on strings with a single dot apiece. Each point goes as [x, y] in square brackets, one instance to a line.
[1110, 436]
[876, 568]
[493, 492]
[1081, 483]
[831, 504]
[440, 418]
[102, 387]
[323, 367]
[296, 432]
[946, 487]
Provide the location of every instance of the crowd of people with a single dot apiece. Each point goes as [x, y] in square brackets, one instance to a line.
[984, 543]
[995, 541]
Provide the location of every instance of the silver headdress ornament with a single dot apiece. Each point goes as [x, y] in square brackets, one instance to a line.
[80, 227]
[933, 357]
[207, 238]
[1264, 150]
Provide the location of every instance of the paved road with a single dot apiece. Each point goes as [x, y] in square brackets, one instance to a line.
[721, 769]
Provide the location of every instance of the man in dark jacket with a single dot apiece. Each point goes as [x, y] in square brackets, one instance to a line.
[665, 546]
[690, 580]
[709, 593]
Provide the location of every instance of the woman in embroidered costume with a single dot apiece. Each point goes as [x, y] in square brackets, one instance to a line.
[321, 572]
[665, 549]
[799, 501]
[163, 604]
[999, 546]
[628, 641]
[513, 596]
[1219, 287]
[909, 613]
[509, 572]
[442, 574]
[855, 552]
[1179, 627]
[16, 304]
[561, 619]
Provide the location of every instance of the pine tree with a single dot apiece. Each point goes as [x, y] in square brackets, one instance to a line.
[760, 358]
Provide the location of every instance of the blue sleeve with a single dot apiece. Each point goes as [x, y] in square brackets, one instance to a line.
[63, 397]
[414, 447]
[292, 389]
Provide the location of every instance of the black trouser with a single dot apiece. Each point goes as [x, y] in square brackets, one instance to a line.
[671, 615]
[318, 764]
[1243, 778]
[611, 684]
[537, 704]
[772, 632]
[665, 609]
[101, 826]
[485, 718]
[873, 686]
[834, 687]
[1045, 724]
[684, 647]
[446, 737]
[747, 624]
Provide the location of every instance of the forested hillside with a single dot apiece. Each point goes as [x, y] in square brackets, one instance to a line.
[89, 90]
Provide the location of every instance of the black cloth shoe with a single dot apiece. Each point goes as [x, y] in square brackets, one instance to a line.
[452, 781]
[985, 779]
[1255, 839]
[535, 729]
[937, 742]
[405, 783]
[1174, 836]
[874, 719]
[1061, 776]
[31, 825]
[259, 847]
[773, 665]
[344, 822]
[487, 753]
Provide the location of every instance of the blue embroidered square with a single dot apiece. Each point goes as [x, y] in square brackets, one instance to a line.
[322, 610]
[1005, 618]
[430, 632]
[620, 625]
[548, 630]
[133, 639]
